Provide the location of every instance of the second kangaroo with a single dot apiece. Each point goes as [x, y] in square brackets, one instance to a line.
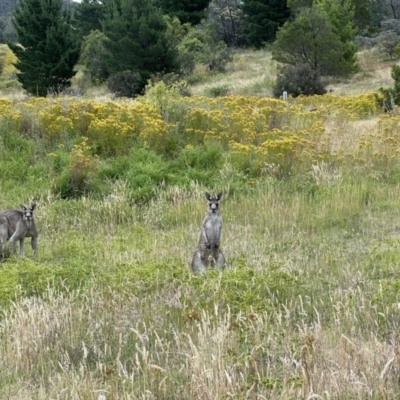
[21, 224]
[208, 250]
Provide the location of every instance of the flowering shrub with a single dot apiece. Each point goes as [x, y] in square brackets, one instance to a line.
[257, 132]
[74, 172]
[10, 118]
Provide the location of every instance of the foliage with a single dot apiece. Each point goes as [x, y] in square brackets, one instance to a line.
[298, 80]
[296, 5]
[262, 18]
[217, 91]
[390, 97]
[310, 39]
[92, 56]
[341, 17]
[7, 31]
[73, 173]
[226, 17]
[201, 46]
[167, 98]
[8, 76]
[175, 30]
[124, 83]
[87, 16]
[187, 11]
[47, 50]
[387, 42]
[363, 18]
[137, 40]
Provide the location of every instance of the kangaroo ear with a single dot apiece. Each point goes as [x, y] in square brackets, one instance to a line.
[220, 195]
[33, 206]
[22, 207]
[207, 196]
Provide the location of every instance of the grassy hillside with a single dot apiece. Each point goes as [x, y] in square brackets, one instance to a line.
[308, 306]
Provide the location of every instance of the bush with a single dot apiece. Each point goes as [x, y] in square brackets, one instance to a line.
[93, 52]
[201, 46]
[125, 83]
[387, 43]
[74, 174]
[297, 80]
[217, 91]
[389, 97]
[206, 157]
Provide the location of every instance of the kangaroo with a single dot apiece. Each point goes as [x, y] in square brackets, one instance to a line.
[21, 224]
[210, 238]
[5, 233]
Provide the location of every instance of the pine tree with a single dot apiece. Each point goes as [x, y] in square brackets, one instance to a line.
[48, 50]
[137, 39]
[87, 16]
[340, 14]
[309, 39]
[192, 11]
[262, 18]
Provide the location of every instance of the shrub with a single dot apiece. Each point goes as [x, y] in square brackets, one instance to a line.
[75, 173]
[297, 80]
[389, 97]
[201, 46]
[209, 157]
[92, 56]
[218, 91]
[125, 83]
[387, 43]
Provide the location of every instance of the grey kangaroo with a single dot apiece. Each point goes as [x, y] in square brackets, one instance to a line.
[5, 233]
[21, 224]
[208, 250]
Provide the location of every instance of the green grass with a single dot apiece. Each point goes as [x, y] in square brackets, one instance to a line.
[308, 306]
[311, 279]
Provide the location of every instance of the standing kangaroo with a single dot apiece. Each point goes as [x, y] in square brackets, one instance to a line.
[21, 224]
[210, 239]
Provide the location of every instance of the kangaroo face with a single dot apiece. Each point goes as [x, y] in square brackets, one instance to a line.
[213, 202]
[28, 212]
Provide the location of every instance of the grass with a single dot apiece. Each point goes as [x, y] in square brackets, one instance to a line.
[307, 308]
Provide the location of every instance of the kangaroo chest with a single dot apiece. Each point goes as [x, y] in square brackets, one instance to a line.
[30, 228]
[212, 228]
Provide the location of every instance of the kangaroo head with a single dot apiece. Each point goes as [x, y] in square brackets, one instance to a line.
[28, 212]
[213, 202]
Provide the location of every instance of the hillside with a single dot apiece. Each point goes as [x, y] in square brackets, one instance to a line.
[251, 73]
[308, 305]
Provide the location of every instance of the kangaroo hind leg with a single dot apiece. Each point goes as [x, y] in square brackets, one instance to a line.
[199, 264]
[219, 259]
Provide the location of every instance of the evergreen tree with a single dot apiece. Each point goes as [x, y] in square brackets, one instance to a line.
[362, 15]
[192, 11]
[48, 50]
[262, 18]
[137, 39]
[296, 5]
[87, 16]
[340, 14]
[309, 39]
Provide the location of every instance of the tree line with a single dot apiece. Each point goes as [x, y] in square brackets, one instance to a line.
[126, 42]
